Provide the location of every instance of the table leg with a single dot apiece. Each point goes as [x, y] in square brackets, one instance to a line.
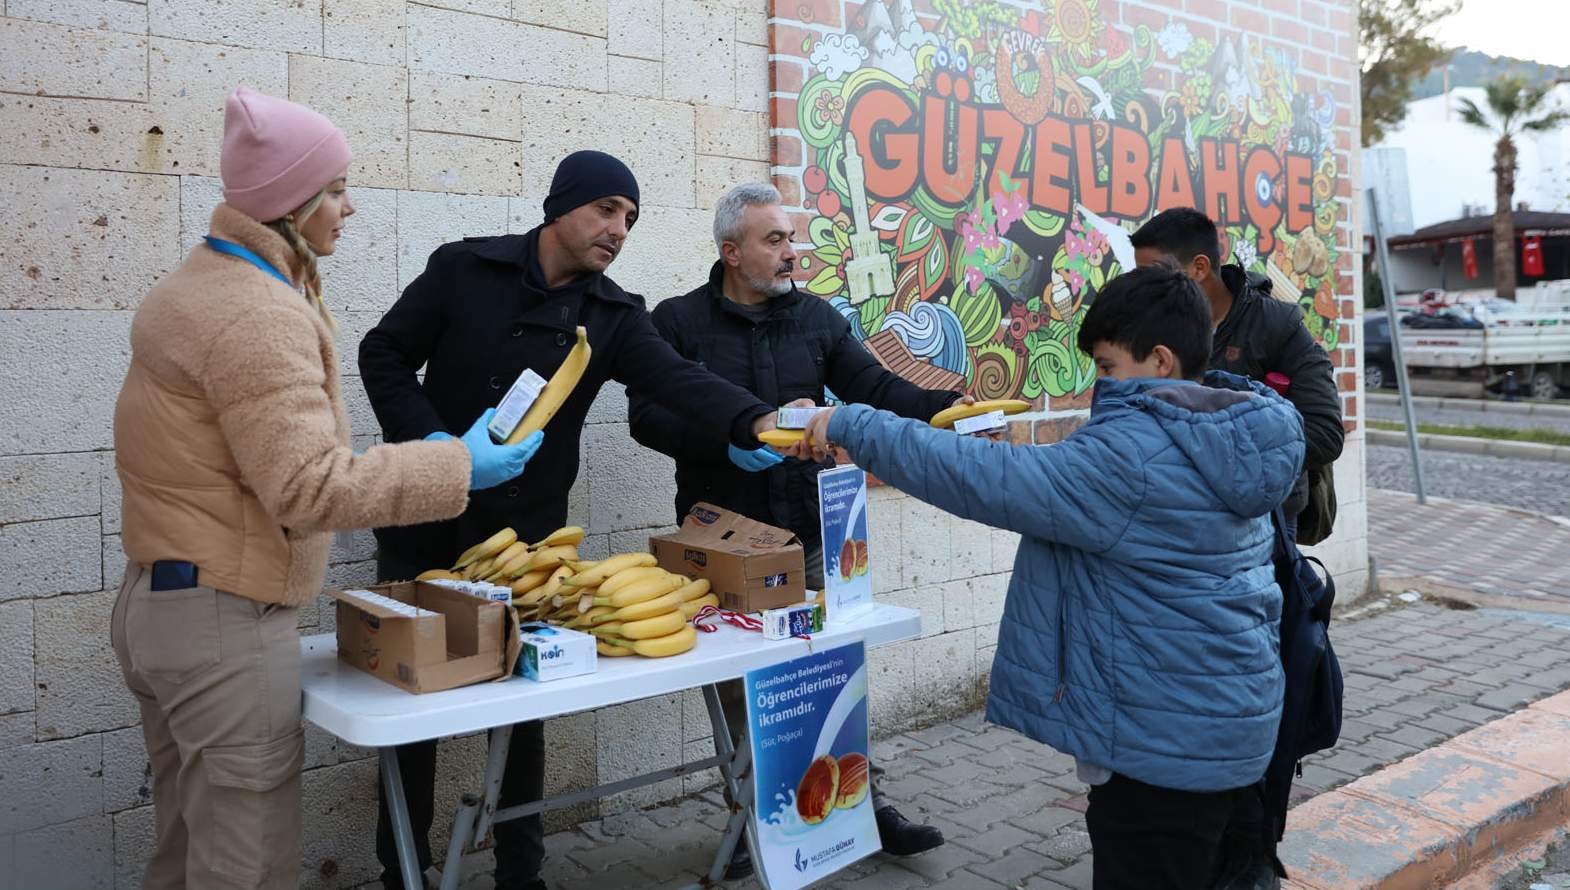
[462, 828]
[398, 811]
[736, 773]
[472, 822]
[495, 769]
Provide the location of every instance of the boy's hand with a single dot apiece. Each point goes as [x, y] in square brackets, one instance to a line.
[996, 436]
[815, 441]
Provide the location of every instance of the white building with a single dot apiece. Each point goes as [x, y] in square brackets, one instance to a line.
[1450, 164]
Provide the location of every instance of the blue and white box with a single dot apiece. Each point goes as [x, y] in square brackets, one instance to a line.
[555, 653]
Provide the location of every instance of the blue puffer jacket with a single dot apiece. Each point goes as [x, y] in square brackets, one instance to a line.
[1140, 628]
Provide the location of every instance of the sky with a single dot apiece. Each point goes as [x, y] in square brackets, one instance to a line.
[1538, 30]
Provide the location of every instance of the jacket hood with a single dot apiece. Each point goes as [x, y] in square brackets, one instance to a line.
[1244, 439]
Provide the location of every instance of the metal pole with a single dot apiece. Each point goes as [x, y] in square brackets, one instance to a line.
[1382, 257]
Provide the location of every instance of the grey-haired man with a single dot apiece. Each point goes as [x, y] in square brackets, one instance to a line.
[751, 326]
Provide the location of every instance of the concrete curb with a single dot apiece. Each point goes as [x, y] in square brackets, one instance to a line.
[1439, 403]
[1473, 445]
[1430, 819]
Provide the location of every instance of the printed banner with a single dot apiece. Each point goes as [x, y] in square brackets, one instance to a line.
[812, 812]
[842, 511]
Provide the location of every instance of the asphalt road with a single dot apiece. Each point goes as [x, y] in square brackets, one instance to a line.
[1461, 417]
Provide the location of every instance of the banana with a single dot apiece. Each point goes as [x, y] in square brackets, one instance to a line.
[781, 438]
[657, 626]
[693, 590]
[605, 628]
[627, 576]
[489, 547]
[583, 619]
[691, 608]
[567, 534]
[550, 557]
[660, 647]
[474, 571]
[529, 600]
[510, 563]
[556, 390]
[527, 583]
[639, 591]
[610, 651]
[646, 608]
[438, 575]
[945, 419]
[597, 574]
[552, 585]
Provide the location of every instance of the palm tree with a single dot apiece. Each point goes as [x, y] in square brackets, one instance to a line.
[1514, 107]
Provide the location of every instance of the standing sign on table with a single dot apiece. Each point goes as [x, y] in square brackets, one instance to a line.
[847, 571]
[812, 815]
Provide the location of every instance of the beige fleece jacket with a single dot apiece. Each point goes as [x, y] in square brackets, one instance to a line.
[231, 439]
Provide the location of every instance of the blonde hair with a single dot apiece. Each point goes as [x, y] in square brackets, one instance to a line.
[304, 256]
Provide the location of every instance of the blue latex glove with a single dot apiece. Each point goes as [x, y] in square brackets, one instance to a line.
[439, 436]
[491, 464]
[753, 461]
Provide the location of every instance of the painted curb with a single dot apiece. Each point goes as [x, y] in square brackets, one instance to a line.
[1430, 819]
[1472, 445]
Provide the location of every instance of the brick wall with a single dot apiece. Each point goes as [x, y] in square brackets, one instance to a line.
[938, 103]
[110, 119]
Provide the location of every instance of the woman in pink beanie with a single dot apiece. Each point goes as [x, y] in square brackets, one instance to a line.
[232, 447]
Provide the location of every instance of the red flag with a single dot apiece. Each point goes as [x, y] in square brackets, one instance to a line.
[1469, 258]
[1532, 256]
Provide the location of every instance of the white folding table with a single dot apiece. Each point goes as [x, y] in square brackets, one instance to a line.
[368, 712]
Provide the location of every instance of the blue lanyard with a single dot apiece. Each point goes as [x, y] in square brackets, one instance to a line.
[246, 254]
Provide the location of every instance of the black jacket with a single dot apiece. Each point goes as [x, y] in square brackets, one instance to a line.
[801, 346]
[474, 321]
[1261, 334]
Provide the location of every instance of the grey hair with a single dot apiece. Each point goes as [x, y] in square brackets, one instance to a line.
[730, 210]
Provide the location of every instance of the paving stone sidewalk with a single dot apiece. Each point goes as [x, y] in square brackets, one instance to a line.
[1489, 548]
[1012, 809]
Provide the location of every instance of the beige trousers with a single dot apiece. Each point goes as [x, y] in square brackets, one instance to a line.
[217, 677]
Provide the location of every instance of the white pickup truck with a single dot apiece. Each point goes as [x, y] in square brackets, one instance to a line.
[1461, 344]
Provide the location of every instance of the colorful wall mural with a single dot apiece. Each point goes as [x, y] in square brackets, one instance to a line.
[971, 171]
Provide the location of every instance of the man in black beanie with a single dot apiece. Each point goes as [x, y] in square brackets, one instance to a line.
[483, 311]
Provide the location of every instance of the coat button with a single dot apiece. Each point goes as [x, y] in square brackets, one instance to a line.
[512, 491]
[517, 330]
[561, 339]
[496, 383]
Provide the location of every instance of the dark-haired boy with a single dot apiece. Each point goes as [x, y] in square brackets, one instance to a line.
[1139, 632]
[1255, 335]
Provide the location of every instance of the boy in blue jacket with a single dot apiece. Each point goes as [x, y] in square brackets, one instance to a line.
[1140, 629]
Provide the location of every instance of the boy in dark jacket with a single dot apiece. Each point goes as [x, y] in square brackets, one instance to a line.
[1255, 335]
[1139, 631]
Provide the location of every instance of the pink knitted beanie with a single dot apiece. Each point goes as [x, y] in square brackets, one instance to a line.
[276, 155]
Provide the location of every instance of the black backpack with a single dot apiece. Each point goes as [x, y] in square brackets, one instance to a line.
[1311, 707]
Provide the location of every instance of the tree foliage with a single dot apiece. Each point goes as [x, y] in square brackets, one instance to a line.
[1515, 106]
[1394, 54]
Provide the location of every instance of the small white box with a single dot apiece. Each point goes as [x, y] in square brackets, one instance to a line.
[515, 404]
[554, 653]
[981, 423]
[796, 418]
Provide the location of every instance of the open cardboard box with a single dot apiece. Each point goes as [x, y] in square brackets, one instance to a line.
[457, 639]
[750, 566]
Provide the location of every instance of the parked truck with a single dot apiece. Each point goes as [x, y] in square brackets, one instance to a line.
[1467, 344]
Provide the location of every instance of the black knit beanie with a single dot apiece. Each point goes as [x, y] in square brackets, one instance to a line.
[584, 176]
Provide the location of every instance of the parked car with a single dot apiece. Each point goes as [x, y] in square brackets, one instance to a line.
[1379, 364]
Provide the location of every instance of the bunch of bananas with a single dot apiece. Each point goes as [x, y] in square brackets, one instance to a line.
[630, 604]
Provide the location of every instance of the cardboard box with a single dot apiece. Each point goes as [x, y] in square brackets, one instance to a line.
[554, 653]
[424, 637]
[750, 566]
